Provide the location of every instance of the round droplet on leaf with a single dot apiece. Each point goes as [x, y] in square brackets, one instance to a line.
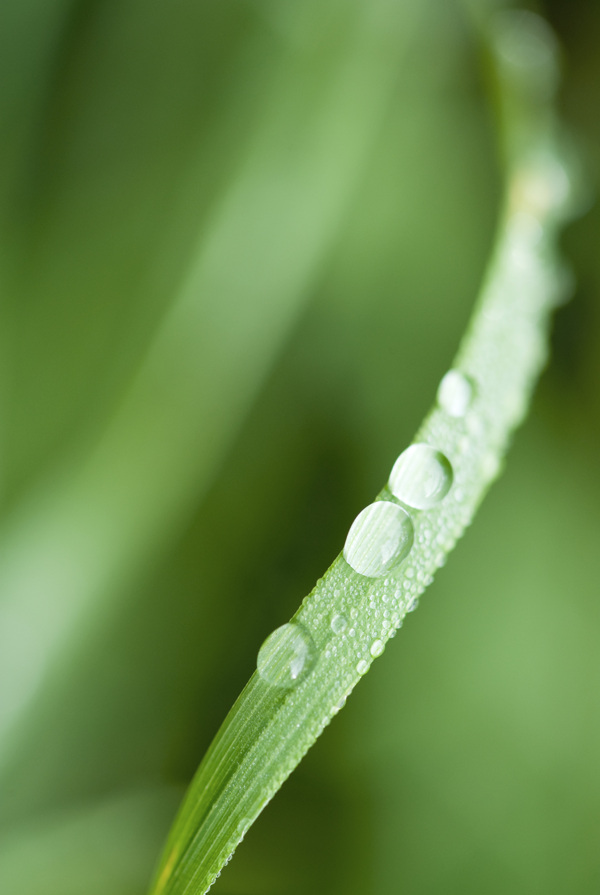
[381, 536]
[286, 656]
[339, 623]
[377, 647]
[421, 477]
[455, 393]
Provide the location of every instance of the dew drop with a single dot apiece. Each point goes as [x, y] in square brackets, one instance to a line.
[338, 706]
[421, 476]
[363, 666]
[380, 537]
[377, 647]
[455, 393]
[490, 466]
[339, 623]
[286, 656]
[242, 827]
[412, 604]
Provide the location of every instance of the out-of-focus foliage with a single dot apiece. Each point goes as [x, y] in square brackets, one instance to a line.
[239, 243]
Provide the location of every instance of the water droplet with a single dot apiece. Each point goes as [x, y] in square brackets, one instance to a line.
[421, 476]
[490, 466]
[339, 623]
[380, 537]
[377, 647]
[412, 604]
[242, 827]
[339, 705]
[363, 666]
[455, 393]
[475, 425]
[286, 656]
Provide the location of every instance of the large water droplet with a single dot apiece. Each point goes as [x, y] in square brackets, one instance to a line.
[380, 537]
[455, 393]
[286, 656]
[362, 667]
[421, 476]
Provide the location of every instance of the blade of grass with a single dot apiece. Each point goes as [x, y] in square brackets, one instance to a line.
[307, 668]
[106, 844]
[78, 539]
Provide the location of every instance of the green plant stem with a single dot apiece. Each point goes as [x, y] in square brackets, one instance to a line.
[271, 726]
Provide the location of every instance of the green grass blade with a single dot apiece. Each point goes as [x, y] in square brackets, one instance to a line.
[306, 669]
[78, 539]
[94, 847]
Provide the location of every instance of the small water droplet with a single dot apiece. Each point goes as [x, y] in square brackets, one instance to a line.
[339, 705]
[377, 647]
[286, 656]
[475, 425]
[421, 476]
[363, 666]
[490, 466]
[455, 393]
[380, 537]
[339, 623]
[412, 604]
[242, 827]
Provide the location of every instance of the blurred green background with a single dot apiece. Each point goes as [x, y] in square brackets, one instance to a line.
[239, 243]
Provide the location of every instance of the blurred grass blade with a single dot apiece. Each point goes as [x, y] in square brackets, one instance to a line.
[100, 847]
[82, 535]
[307, 668]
